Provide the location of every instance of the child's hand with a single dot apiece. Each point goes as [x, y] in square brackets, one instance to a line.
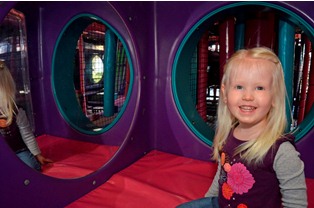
[42, 160]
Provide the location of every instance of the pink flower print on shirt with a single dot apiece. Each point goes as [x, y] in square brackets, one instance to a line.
[240, 179]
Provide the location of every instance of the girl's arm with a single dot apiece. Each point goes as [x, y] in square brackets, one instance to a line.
[26, 132]
[290, 173]
[28, 137]
[214, 188]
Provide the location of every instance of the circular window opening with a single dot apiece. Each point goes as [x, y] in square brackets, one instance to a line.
[97, 69]
[91, 74]
[198, 64]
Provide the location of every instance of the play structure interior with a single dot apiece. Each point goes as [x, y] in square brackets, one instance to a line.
[122, 95]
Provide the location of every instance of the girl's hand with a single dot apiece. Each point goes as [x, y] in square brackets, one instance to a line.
[42, 160]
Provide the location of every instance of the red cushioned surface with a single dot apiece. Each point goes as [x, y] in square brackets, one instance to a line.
[71, 158]
[157, 180]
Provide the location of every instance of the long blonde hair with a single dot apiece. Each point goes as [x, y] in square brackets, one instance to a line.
[7, 93]
[253, 150]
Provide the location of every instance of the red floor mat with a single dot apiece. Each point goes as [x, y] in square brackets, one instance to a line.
[158, 180]
[73, 158]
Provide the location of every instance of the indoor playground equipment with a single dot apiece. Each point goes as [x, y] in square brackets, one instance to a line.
[122, 96]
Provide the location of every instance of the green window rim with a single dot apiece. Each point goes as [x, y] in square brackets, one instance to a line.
[183, 55]
[62, 75]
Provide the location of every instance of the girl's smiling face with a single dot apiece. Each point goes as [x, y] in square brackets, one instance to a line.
[249, 95]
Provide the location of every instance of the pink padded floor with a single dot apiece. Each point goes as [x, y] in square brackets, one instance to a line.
[72, 158]
[157, 180]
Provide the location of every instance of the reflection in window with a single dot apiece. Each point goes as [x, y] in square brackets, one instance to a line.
[13, 50]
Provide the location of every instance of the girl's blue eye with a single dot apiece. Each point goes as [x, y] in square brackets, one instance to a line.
[260, 88]
[238, 87]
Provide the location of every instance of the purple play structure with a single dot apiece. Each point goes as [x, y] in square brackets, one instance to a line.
[152, 33]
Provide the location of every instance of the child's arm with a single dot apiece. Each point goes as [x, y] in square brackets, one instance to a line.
[290, 173]
[26, 132]
[214, 188]
[28, 137]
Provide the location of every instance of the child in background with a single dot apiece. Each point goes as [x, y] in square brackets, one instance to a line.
[258, 165]
[14, 125]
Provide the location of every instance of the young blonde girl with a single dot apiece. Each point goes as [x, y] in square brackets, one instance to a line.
[14, 125]
[258, 165]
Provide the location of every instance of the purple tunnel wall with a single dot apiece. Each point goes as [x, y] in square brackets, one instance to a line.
[153, 32]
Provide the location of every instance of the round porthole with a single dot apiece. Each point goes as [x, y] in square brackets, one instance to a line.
[97, 69]
[198, 63]
[92, 75]
[94, 69]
